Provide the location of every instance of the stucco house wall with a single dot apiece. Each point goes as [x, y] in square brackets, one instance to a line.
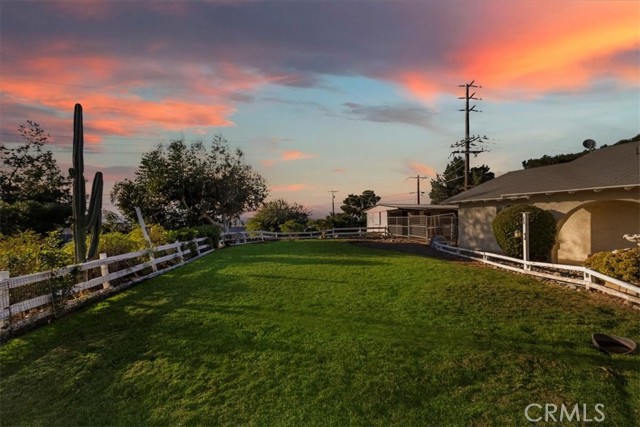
[588, 222]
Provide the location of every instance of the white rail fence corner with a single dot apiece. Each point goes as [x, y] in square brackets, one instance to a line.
[575, 275]
[17, 311]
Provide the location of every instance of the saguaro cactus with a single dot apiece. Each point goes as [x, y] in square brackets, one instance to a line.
[84, 221]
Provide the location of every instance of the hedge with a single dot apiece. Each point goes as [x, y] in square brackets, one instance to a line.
[542, 231]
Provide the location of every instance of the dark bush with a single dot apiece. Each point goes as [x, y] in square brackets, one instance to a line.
[542, 231]
[212, 232]
[623, 264]
[32, 215]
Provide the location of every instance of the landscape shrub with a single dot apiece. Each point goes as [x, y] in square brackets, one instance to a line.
[623, 264]
[210, 231]
[28, 252]
[182, 234]
[117, 244]
[542, 231]
[157, 234]
[292, 226]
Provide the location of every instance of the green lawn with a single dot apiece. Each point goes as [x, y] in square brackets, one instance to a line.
[323, 333]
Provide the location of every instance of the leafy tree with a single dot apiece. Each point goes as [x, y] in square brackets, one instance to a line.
[33, 191]
[186, 185]
[353, 208]
[451, 182]
[276, 215]
[29, 172]
[114, 223]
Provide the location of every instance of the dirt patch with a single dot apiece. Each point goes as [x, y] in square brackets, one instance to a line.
[419, 249]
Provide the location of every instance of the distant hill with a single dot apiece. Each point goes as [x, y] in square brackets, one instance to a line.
[564, 158]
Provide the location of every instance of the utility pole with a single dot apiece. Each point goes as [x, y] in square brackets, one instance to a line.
[418, 178]
[467, 143]
[333, 201]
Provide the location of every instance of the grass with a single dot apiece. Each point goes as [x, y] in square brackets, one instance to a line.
[323, 333]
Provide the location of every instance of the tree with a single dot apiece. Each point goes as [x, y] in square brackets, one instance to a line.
[114, 223]
[354, 207]
[33, 191]
[29, 172]
[279, 215]
[451, 182]
[186, 185]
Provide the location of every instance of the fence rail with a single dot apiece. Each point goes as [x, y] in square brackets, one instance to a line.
[573, 274]
[16, 311]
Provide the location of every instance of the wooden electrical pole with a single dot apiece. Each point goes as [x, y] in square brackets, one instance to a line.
[333, 201]
[464, 146]
[418, 178]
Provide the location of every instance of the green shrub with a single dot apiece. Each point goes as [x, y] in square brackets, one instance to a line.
[212, 232]
[292, 226]
[28, 252]
[181, 234]
[623, 264]
[542, 231]
[157, 234]
[117, 244]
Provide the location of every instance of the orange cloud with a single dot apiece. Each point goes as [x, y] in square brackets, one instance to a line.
[295, 155]
[56, 84]
[531, 49]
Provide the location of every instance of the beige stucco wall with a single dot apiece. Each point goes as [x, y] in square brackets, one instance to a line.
[595, 227]
[474, 228]
[588, 222]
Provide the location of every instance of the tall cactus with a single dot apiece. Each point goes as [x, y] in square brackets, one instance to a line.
[84, 221]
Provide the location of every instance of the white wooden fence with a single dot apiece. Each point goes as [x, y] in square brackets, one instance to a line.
[243, 237]
[42, 305]
[576, 275]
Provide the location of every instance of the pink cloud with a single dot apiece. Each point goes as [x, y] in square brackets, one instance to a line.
[288, 187]
[421, 169]
[291, 155]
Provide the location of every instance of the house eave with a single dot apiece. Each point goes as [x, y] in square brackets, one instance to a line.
[516, 196]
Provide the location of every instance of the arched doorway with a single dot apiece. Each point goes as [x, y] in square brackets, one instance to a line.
[595, 227]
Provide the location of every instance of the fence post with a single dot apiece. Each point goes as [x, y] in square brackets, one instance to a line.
[179, 251]
[197, 246]
[104, 271]
[587, 278]
[525, 240]
[5, 303]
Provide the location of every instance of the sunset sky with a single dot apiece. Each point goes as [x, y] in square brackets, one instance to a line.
[322, 95]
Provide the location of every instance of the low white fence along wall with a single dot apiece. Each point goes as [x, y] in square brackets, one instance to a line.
[16, 312]
[576, 275]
